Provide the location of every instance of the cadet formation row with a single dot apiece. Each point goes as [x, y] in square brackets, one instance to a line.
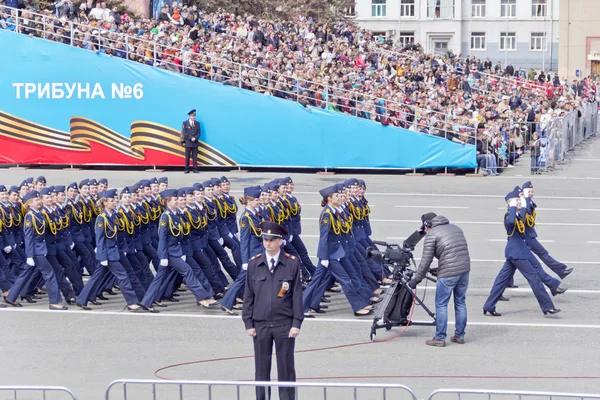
[147, 240]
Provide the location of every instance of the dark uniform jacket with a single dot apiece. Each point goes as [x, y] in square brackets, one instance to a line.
[169, 236]
[189, 131]
[516, 247]
[262, 303]
[34, 234]
[530, 214]
[250, 235]
[107, 227]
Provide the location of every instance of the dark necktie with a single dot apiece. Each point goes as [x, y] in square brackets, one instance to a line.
[272, 265]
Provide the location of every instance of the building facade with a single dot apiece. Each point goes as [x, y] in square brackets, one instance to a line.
[523, 33]
[580, 38]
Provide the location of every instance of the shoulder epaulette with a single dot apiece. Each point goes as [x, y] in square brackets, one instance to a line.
[255, 257]
[290, 256]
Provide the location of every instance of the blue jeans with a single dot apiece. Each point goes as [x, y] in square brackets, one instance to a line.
[444, 288]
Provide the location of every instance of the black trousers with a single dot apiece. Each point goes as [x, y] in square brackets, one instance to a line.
[284, 352]
[191, 152]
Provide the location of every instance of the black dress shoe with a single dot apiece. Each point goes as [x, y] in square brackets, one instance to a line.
[186, 172]
[3, 306]
[83, 307]
[513, 286]
[71, 302]
[322, 307]
[102, 297]
[196, 172]
[171, 299]
[219, 296]
[553, 311]
[28, 299]
[363, 315]
[567, 273]
[55, 308]
[307, 315]
[317, 310]
[502, 298]
[327, 296]
[558, 291]
[150, 309]
[12, 303]
[492, 313]
[96, 303]
[324, 300]
[176, 295]
[159, 304]
[109, 291]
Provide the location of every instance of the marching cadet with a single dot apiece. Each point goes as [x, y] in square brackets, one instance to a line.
[230, 207]
[102, 185]
[250, 243]
[147, 213]
[171, 256]
[40, 183]
[329, 253]
[163, 184]
[265, 198]
[64, 242]
[557, 267]
[518, 257]
[34, 232]
[151, 197]
[196, 216]
[215, 239]
[5, 284]
[223, 210]
[82, 248]
[272, 310]
[11, 221]
[296, 225]
[136, 211]
[87, 214]
[108, 255]
[52, 228]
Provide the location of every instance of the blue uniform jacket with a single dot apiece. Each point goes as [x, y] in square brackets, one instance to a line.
[34, 233]
[86, 212]
[212, 219]
[330, 246]
[107, 226]
[76, 219]
[221, 216]
[17, 228]
[126, 230]
[7, 225]
[250, 235]
[367, 212]
[63, 236]
[295, 211]
[51, 230]
[530, 232]
[169, 235]
[137, 223]
[231, 218]
[358, 224]
[516, 247]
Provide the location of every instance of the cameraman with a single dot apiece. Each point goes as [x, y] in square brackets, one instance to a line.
[447, 243]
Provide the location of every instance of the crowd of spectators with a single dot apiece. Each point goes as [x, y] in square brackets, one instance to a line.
[336, 66]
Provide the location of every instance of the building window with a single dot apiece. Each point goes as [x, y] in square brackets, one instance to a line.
[379, 36]
[349, 11]
[440, 47]
[440, 9]
[538, 8]
[478, 8]
[538, 41]
[508, 41]
[406, 38]
[508, 8]
[477, 40]
[407, 8]
[378, 8]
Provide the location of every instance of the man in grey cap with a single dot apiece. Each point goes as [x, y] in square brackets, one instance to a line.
[448, 244]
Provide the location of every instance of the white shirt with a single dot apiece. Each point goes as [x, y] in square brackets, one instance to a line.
[269, 258]
[192, 122]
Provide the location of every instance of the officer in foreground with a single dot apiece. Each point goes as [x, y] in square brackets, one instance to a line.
[272, 310]
[448, 244]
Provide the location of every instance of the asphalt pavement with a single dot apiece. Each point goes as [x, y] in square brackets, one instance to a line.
[522, 350]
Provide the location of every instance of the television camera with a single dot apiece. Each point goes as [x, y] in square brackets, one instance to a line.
[397, 302]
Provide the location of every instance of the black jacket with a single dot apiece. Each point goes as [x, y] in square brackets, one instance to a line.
[188, 132]
[263, 304]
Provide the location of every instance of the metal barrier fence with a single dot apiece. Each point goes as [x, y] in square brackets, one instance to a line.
[19, 391]
[463, 394]
[155, 390]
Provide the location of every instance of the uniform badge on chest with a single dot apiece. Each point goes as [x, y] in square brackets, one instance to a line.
[285, 286]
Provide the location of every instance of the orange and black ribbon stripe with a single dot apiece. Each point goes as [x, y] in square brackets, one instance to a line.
[144, 135]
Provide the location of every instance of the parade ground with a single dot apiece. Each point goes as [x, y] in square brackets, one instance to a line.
[522, 350]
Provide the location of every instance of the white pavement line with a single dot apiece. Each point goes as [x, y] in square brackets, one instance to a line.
[496, 240]
[594, 241]
[459, 195]
[590, 209]
[503, 260]
[415, 221]
[310, 320]
[395, 238]
[436, 207]
[545, 209]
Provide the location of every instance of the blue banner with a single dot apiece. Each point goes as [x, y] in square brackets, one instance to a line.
[80, 101]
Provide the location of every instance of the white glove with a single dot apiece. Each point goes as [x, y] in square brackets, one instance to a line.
[230, 235]
[244, 267]
[523, 201]
[72, 245]
[221, 241]
[285, 243]
[30, 262]
[125, 253]
[164, 263]
[291, 237]
[7, 249]
[237, 235]
[513, 202]
[183, 258]
[325, 263]
[104, 263]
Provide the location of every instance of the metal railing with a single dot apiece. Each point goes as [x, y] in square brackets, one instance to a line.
[153, 389]
[460, 394]
[18, 392]
[259, 79]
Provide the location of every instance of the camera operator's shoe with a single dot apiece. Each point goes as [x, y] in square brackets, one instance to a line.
[435, 342]
[458, 340]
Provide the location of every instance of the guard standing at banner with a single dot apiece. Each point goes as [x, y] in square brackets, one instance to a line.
[190, 138]
[272, 310]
